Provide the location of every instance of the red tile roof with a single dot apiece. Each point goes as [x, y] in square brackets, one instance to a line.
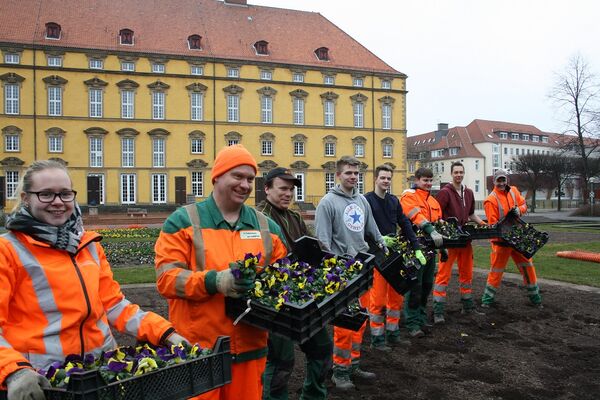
[162, 27]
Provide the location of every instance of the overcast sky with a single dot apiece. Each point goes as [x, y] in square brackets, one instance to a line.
[468, 59]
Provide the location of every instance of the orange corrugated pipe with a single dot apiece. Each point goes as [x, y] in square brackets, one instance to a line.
[580, 255]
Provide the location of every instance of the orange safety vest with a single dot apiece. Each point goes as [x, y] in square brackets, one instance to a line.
[53, 304]
[499, 203]
[420, 206]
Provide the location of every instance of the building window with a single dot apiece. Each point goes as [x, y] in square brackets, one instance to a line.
[359, 115]
[495, 156]
[127, 152]
[55, 144]
[197, 145]
[411, 168]
[128, 187]
[54, 61]
[329, 110]
[266, 110]
[298, 77]
[514, 136]
[477, 186]
[100, 186]
[127, 66]
[158, 68]
[12, 143]
[298, 148]
[299, 191]
[11, 99]
[126, 37]
[194, 42]
[232, 142]
[360, 184]
[544, 139]
[359, 149]
[196, 106]
[386, 84]
[197, 70]
[329, 149]
[95, 96]
[453, 151]
[266, 75]
[503, 135]
[535, 138]
[12, 58]
[233, 72]
[158, 152]
[233, 108]
[517, 151]
[387, 150]
[12, 181]
[358, 82]
[298, 111]
[525, 137]
[127, 104]
[322, 53]
[54, 101]
[52, 30]
[158, 105]
[96, 153]
[95, 63]
[266, 147]
[159, 188]
[261, 47]
[329, 80]
[476, 165]
[506, 151]
[197, 184]
[329, 181]
[386, 116]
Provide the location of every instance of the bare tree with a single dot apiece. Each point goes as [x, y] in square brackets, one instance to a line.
[559, 168]
[532, 168]
[577, 94]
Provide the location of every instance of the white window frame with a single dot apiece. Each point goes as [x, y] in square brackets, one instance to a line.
[12, 58]
[232, 142]
[495, 157]
[299, 191]
[330, 149]
[360, 183]
[197, 183]
[158, 104]
[298, 105]
[233, 108]
[329, 113]
[196, 70]
[535, 138]
[96, 145]
[477, 186]
[54, 101]
[514, 136]
[196, 106]
[544, 139]
[196, 145]
[101, 188]
[387, 150]
[127, 66]
[128, 152]
[453, 151]
[386, 116]
[128, 188]
[95, 63]
[158, 188]
[266, 147]
[54, 61]
[503, 135]
[359, 114]
[12, 181]
[359, 150]
[233, 72]
[95, 102]
[55, 144]
[328, 80]
[158, 68]
[299, 148]
[12, 143]
[358, 82]
[159, 152]
[476, 165]
[127, 104]
[12, 98]
[266, 75]
[525, 137]
[329, 181]
[298, 77]
[386, 84]
[266, 110]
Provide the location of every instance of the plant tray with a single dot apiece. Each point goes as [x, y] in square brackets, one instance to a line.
[175, 382]
[300, 322]
[528, 245]
[476, 232]
[394, 270]
[352, 320]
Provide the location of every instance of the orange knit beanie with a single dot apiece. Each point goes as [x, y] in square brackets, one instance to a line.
[230, 157]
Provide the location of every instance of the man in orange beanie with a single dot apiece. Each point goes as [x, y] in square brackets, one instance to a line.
[194, 251]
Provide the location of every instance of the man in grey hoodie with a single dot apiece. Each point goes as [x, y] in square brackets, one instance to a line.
[342, 221]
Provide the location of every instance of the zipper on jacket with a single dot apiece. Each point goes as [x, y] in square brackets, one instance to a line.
[87, 302]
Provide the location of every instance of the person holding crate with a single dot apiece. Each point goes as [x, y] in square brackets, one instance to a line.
[343, 219]
[385, 304]
[505, 200]
[279, 187]
[57, 292]
[457, 201]
[194, 251]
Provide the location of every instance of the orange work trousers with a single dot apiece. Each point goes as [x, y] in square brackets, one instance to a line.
[464, 259]
[246, 382]
[347, 343]
[385, 306]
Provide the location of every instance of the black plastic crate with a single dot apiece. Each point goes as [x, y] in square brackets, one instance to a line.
[352, 320]
[397, 273]
[506, 224]
[476, 232]
[175, 382]
[300, 322]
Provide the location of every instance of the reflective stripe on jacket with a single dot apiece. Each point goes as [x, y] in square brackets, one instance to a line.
[420, 207]
[53, 304]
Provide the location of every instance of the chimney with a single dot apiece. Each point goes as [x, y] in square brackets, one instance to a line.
[237, 2]
[442, 130]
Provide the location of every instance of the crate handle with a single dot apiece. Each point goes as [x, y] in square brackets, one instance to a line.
[246, 311]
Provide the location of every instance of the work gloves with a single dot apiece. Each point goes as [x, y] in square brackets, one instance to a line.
[26, 384]
[231, 286]
[515, 212]
[175, 339]
[443, 255]
[438, 239]
[420, 256]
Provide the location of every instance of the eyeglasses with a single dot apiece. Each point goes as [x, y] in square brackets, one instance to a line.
[48, 197]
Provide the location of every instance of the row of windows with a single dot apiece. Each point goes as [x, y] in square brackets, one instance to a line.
[158, 112]
[524, 137]
[517, 151]
[160, 68]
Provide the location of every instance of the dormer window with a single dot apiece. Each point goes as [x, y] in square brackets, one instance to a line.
[503, 135]
[52, 30]
[194, 42]
[262, 48]
[126, 36]
[322, 53]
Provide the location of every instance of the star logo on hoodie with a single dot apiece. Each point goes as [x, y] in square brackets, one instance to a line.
[354, 217]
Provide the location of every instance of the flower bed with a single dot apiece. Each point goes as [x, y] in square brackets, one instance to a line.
[129, 253]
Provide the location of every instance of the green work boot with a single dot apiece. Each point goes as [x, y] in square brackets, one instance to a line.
[361, 373]
[489, 294]
[393, 338]
[378, 343]
[341, 378]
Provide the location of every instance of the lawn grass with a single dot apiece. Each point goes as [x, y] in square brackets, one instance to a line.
[132, 275]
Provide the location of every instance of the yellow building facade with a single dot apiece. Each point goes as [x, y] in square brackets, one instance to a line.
[142, 128]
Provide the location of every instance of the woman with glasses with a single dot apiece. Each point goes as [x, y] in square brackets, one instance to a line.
[57, 292]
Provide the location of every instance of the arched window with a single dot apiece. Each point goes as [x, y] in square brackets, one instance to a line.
[262, 47]
[52, 30]
[194, 42]
[322, 53]
[126, 36]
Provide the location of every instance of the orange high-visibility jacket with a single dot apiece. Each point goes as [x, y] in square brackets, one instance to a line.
[195, 307]
[420, 207]
[53, 304]
[499, 203]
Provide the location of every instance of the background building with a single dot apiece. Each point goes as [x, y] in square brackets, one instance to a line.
[137, 98]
